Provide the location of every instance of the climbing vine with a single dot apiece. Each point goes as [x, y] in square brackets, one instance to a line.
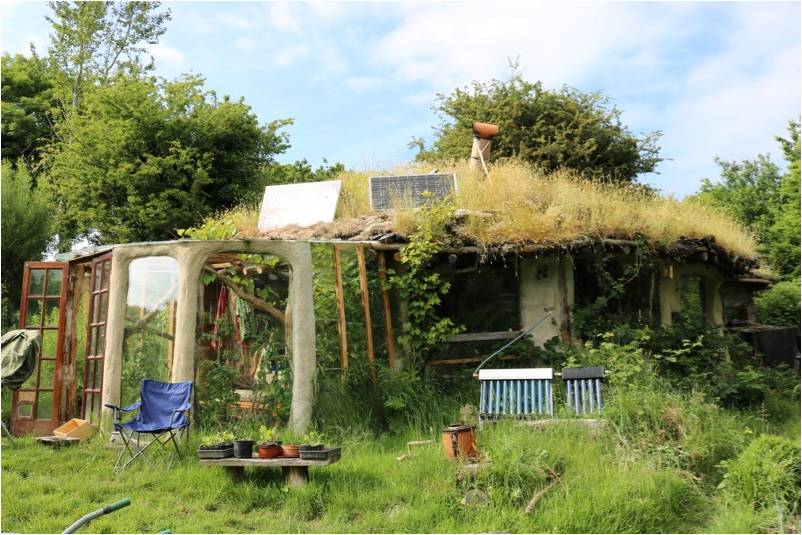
[420, 286]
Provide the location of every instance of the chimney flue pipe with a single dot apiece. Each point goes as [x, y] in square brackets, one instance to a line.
[483, 134]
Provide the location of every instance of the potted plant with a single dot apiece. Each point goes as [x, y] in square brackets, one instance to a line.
[216, 445]
[313, 441]
[269, 447]
[243, 448]
[292, 449]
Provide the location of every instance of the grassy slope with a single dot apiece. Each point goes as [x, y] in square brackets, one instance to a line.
[369, 491]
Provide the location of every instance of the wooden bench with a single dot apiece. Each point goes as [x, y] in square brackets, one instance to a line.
[296, 471]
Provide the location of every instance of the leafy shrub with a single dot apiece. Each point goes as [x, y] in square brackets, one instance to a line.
[765, 474]
[779, 305]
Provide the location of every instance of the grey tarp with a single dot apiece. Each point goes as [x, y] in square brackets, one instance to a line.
[19, 350]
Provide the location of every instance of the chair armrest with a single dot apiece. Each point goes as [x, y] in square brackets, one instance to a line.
[183, 408]
[132, 407]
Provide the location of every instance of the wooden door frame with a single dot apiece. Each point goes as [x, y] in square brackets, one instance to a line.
[34, 425]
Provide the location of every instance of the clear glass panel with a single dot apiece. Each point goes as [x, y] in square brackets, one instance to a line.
[95, 414]
[101, 341]
[147, 346]
[44, 408]
[49, 343]
[95, 307]
[104, 305]
[92, 341]
[51, 312]
[25, 411]
[36, 282]
[30, 382]
[98, 275]
[54, 282]
[106, 274]
[97, 373]
[48, 374]
[33, 317]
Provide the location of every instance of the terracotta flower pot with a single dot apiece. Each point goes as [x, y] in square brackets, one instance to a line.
[268, 451]
[460, 441]
[290, 450]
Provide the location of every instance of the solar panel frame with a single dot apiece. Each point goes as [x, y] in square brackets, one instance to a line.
[438, 184]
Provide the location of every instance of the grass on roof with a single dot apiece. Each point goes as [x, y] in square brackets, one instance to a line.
[532, 207]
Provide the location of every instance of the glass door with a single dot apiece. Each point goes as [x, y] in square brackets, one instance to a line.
[44, 298]
[96, 339]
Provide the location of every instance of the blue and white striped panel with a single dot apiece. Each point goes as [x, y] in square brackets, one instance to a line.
[517, 393]
[583, 388]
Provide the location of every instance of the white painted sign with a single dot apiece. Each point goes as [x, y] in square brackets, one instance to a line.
[299, 204]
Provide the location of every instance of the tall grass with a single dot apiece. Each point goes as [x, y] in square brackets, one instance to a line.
[525, 205]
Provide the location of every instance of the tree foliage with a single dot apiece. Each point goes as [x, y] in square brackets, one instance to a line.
[91, 41]
[146, 157]
[552, 129]
[26, 227]
[28, 101]
[759, 196]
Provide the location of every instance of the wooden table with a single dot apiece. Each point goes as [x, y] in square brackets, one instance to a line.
[296, 471]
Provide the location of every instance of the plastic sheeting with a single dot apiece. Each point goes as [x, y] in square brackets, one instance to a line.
[19, 351]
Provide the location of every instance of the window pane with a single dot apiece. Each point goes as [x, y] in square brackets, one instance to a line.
[106, 274]
[147, 348]
[51, 312]
[36, 282]
[49, 344]
[30, 382]
[95, 308]
[54, 281]
[33, 317]
[44, 408]
[98, 374]
[90, 352]
[104, 305]
[25, 411]
[101, 341]
[98, 275]
[47, 376]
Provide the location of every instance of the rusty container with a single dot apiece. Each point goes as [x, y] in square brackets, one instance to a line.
[459, 441]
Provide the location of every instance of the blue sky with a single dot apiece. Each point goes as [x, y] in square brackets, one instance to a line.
[719, 79]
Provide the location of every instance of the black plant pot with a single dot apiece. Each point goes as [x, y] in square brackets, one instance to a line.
[243, 449]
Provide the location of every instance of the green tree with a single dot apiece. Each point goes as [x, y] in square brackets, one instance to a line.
[551, 129]
[91, 41]
[27, 105]
[298, 172]
[759, 196]
[26, 226]
[147, 157]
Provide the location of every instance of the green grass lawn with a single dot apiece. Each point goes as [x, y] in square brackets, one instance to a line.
[654, 469]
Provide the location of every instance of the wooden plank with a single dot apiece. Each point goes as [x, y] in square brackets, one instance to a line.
[363, 290]
[276, 461]
[338, 295]
[388, 318]
[467, 360]
[480, 337]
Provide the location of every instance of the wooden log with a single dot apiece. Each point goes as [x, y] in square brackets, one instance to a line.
[480, 337]
[340, 299]
[260, 304]
[364, 293]
[388, 318]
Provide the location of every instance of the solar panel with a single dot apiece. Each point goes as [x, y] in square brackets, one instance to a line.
[299, 204]
[387, 191]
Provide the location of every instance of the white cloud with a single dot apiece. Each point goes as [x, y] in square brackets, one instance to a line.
[244, 42]
[363, 83]
[162, 52]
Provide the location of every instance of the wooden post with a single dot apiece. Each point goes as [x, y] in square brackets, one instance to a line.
[296, 476]
[363, 290]
[338, 295]
[388, 318]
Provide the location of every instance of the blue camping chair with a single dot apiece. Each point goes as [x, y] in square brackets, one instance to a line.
[163, 414]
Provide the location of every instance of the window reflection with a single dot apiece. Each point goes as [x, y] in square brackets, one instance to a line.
[149, 323]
